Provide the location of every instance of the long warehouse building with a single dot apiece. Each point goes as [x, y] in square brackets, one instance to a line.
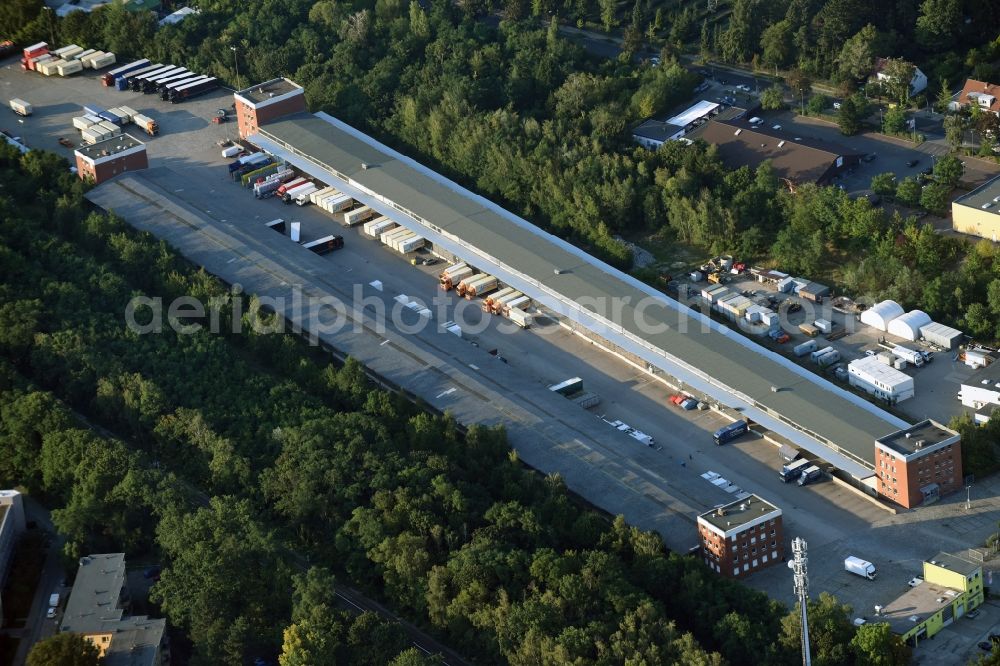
[831, 423]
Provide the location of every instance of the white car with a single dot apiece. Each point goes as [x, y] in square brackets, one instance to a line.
[51, 613]
[744, 88]
[870, 352]
[776, 127]
[915, 581]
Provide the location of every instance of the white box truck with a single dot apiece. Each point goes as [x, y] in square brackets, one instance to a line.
[302, 195]
[21, 107]
[860, 567]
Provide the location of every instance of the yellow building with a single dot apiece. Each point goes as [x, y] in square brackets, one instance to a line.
[952, 587]
[98, 608]
[978, 212]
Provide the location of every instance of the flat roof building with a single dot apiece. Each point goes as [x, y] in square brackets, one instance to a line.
[952, 587]
[982, 391]
[920, 464]
[796, 160]
[880, 380]
[12, 524]
[97, 609]
[655, 330]
[267, 101]
[978, 212]
[106, 159]
[653, 133]
[742, 537]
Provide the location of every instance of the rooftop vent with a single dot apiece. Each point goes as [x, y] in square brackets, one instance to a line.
[364, 166]
[721, 511]
[743, 507]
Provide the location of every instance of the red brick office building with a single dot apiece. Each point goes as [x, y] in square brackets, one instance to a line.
[741, 537]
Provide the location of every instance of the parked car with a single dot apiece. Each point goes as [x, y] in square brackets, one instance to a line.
[972, 614]
[913, 582]
[776, 127]
[836, 105]
[870, 157]
[51, 613]
[913, 163]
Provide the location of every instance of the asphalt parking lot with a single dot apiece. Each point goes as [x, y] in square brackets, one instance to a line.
[655, 488]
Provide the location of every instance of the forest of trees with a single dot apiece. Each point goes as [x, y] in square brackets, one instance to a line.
[257, 490]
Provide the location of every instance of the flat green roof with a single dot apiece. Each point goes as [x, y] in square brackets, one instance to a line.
[739, 366]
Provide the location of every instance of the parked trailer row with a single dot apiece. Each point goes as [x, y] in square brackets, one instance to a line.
[260, 173]
[479, 287]
[379, 225]
[336, 204]
[119, 77]
[322, 193]
[453, 275]
[193, 89]
[290, 194]
[397, 241]
[150, 86]
[270, 185]
[167, 89]
[302, 196]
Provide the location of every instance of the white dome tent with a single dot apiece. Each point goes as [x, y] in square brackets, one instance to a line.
[879, 315]
[908, 326]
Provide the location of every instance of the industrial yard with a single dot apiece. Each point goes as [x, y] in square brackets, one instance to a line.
[492, 372]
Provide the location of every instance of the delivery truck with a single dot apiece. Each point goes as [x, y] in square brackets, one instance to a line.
[730, 432]
[525, 320]
[809, 474]
[295, 182]
[793, 470]
[146, 124]
[20, 107]
[302, 195]
[325, 244]
[166, 89]
[859, 567]
[290, 194]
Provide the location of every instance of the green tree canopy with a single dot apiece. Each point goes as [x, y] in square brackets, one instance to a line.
[64, 649]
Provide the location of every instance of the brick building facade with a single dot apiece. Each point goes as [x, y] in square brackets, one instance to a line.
[918, 465]
[268, 101]
[742, 537]
[106, 159]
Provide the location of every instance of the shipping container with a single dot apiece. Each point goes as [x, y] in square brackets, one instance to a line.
[82, 122]
[337, 204]
[68, 51]
[102, 61]
[395, 241]
[92, 134]
[412, 245]
[68, 67]
[522, 303]
[84, 54]
[49, 67]
[110, 127]
[358, 215]
[387, 236]
[88, 60]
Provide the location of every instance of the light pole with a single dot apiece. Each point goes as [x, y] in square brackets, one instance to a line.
[236, 64]
[968, 498]
[52, 34]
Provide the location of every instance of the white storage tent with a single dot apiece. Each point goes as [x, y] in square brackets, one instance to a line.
[879, 315]
[908, 326]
